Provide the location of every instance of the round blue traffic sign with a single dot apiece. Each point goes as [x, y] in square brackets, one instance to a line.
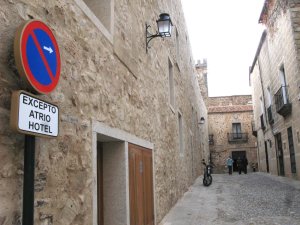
[37, 56]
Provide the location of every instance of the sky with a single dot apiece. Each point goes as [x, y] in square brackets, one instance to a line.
[227, 34]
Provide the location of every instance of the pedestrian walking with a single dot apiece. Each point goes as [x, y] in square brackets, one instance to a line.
[229, 163]
[245, 164]
[239, 163]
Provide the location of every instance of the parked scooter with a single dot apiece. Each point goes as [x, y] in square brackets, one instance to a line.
[207, 178]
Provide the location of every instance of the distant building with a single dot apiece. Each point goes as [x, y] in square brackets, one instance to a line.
[229, 125]
[275, 81]
[230, 131]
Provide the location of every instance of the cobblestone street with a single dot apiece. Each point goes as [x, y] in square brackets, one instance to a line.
[251, 199]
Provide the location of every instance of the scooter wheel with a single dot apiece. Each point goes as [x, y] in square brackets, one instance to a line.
[207, 180]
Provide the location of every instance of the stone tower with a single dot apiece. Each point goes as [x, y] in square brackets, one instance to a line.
[201, 68]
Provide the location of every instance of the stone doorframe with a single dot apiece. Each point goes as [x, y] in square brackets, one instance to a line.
[102, 132]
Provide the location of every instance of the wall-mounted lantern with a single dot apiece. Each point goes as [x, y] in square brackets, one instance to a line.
[164, 25]
[202, 120]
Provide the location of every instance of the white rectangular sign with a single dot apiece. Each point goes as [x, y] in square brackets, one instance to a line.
[36, 116]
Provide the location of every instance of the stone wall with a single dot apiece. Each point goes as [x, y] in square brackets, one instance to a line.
[107, 77]
[278, 49]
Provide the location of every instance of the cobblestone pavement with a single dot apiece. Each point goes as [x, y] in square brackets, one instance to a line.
[246, 199]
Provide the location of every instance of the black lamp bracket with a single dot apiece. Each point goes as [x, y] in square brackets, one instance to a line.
[150, 36]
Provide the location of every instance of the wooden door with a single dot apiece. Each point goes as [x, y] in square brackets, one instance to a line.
[292, 150]
[267, 156]
[148, 188]
[235, 156]
[141, 186]
[280, 154]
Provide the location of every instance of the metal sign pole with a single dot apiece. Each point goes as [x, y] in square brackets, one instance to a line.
[28, 186]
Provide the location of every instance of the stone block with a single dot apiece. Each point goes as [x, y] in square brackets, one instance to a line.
[40, 182]
[46, 219]
[69, 212]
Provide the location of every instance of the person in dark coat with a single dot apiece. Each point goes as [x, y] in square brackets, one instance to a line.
[245, 164]
[239, 164]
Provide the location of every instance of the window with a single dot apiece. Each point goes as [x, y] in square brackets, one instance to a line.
[101, 13]
[180, 134]
[261, 105]
[283, 84]
[262, 120]
[102, 9]
[194, 122]
[177, 47]
[269, 109]
[269, 96]
[237, 130]
[171, 85]
[192, 151]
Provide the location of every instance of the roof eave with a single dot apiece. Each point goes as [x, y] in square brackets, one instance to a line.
[262, 40]
[263, 12]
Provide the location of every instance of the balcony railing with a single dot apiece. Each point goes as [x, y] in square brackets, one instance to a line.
[211, 139]
[270, 115]
[254, 130]
[262, 122]
[237, 137]
[283, 107]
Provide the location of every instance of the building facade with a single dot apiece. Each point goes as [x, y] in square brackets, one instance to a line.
[129, 142]
[274, 77]
[230, 131]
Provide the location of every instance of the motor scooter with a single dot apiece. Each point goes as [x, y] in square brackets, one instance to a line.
[207, 178]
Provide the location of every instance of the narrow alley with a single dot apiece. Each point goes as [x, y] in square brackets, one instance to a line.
[251, 199]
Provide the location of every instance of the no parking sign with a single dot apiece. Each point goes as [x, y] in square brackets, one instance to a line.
[38, 62]
[37, 56]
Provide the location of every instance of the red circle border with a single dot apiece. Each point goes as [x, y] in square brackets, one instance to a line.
[27, 29]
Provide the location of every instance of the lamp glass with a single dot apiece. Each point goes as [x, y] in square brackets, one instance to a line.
[164, 25]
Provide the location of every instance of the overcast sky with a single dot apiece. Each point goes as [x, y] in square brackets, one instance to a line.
[227, 33]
